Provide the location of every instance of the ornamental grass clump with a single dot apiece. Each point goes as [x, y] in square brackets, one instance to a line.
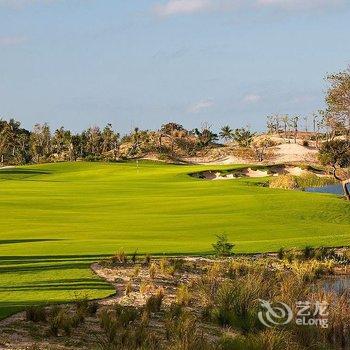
[286, 182]
[154, 302]
[36, 314]
[183, 295]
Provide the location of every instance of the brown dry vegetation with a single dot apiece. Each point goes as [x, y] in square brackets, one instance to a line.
[192, 303]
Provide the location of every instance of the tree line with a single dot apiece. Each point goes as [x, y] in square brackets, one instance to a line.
[20, 146]
[332, 125]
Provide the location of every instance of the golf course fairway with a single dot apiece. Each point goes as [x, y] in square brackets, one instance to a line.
[56, 219]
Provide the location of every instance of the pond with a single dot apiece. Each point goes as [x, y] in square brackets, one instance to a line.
[336, 284]
[333, 189]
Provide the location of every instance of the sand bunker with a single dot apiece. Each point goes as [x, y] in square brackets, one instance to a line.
[258, 173]
[255, 173]
[216, 175]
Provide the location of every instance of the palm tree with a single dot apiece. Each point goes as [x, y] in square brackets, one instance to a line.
[6, 138]
[295, 122]
[285, 120]
[226, 133]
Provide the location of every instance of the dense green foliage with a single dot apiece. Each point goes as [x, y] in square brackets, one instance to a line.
[41, 145]
[58, 218]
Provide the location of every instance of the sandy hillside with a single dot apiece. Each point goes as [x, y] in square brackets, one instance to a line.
[282, 153]
[291, 152]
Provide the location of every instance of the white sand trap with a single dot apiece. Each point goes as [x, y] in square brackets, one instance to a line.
[297, 171]
[210, 175]
[218, 176]
[249, 172]
[254, 173]
[294, 170]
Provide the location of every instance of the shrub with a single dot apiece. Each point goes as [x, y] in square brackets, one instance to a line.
[65, 323]
[183, 295]
[323, 253]
[308, 252]
[77, 320]
[177, 264]
[287, 182]
[36, 314]
[147, 259]
[174, 310]
[54, 325]
[280, 253]
[134, 257]
[241, 267]
[136, 271]
[228, 342]
[60, 319]
[124, 329]
[145, 287]
[338, 318]
[154, 302]
[153, 270]
[223, 247]
[109, 325]
[82, 305]
[79, 316]
[163, 264]
[267, 340]
[55, 310]
[236, 303]
[312, 180]
[184, 333]
[128, 288]
[311, 270]
[346, 254]
[92, 308]
[171, 270]
[125, 315]
[120, 258]
[292, 254]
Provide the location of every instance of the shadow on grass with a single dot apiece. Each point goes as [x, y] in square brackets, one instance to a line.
[16, 171]
[60, 285]
[18, 279]
[16, 241]
[60, 278]
[42, 263]
[19, 174]
[8, 308]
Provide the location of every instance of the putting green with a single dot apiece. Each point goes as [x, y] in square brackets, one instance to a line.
[58, 218]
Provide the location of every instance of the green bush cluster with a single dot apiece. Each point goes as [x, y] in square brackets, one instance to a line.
[291, 182]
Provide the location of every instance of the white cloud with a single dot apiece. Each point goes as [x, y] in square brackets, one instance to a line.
[11, 40]
[176, 7]
[200, 105]
[251, 98]
[299, 4]
[183, 7]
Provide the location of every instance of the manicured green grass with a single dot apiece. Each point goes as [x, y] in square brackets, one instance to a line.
[58, 218]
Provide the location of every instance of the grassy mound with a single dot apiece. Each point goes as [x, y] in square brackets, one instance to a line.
[291, 182]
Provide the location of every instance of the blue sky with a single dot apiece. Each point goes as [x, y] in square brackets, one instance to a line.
[144, 62]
